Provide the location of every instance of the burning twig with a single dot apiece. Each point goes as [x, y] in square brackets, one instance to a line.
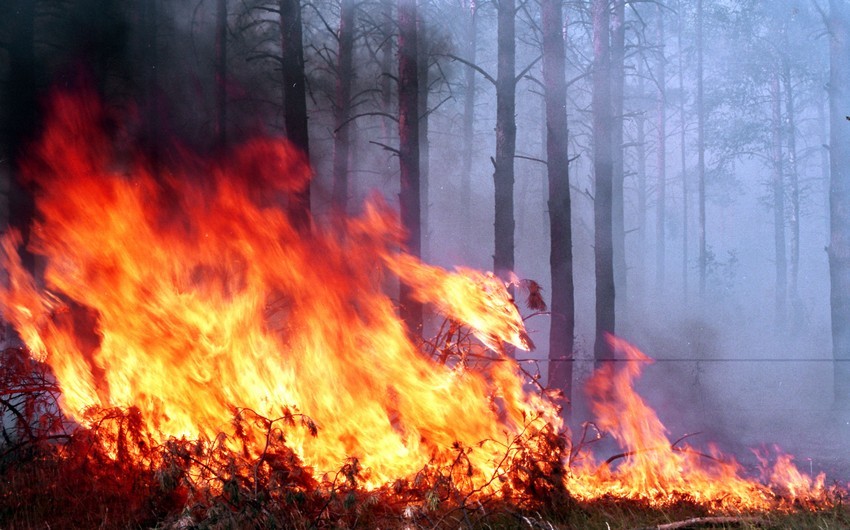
[583, 442]
[673, 446]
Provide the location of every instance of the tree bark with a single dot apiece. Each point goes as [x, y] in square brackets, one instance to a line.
[408, 133]
[562, 324]
[780, 258]
[639, 288]
[618, 58]
[503, 174]
[424, 146]
[839, 195]
[295, 100]
[342, 108]
[603, 176]
[388, 29]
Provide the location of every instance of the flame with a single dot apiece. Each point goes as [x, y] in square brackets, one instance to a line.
[652, 468]
[201, 298]
[189, 296]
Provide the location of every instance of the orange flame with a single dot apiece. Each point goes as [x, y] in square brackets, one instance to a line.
[202, 297]
[189, 295]
[652, 468]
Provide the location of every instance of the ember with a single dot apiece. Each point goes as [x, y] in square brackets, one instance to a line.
[190, 300]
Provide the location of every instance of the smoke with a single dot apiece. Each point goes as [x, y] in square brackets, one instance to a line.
[727, 365]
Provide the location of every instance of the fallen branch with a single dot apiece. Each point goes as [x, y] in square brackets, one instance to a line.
[701, 521]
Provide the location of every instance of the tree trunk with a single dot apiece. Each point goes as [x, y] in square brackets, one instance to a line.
[221, 75]
[823, 129]
[295, 99]
[424, 146]
[408, 134]
[639, 288]
[794, 183]
[778, 204]
[683, 154]
[603, 175]
[703, 255]
[503, 174]
[618, 58]
[344, 79]
[839, 195]
[469, 118]
[562, 324]
[387, 76]
[661, 129]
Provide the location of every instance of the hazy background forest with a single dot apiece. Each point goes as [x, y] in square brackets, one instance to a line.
[716, 127]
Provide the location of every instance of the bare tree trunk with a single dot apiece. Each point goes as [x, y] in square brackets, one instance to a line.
[794, 182]
[839, 195]
[387, 64]
[424, 146]
[342, 108]
[778, 203]
[823, 129]
[562, 325]
[408, 134]
[295, 99]
[661, 128]
[503, 174]
[618, 58]
[640, 122]
[683, 153]
[703, 256]
[603, 176]
[469, 117]
[221, 75]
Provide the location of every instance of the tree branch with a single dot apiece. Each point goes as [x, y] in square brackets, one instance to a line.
[474, 66]
[533, 159]
[21, 419]
[364, 114]
[527, 68]
[386, 147]
[437, 106]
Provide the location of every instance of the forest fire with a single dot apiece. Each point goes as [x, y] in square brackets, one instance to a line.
[194, 302]
[654, 469]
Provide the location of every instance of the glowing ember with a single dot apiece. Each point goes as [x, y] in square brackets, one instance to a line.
[190, 296]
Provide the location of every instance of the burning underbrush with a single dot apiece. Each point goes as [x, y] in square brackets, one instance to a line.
[108, 469]
[194, 357]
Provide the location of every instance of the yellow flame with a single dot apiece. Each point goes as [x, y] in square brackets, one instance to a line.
[188, 299]
[189, 294]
